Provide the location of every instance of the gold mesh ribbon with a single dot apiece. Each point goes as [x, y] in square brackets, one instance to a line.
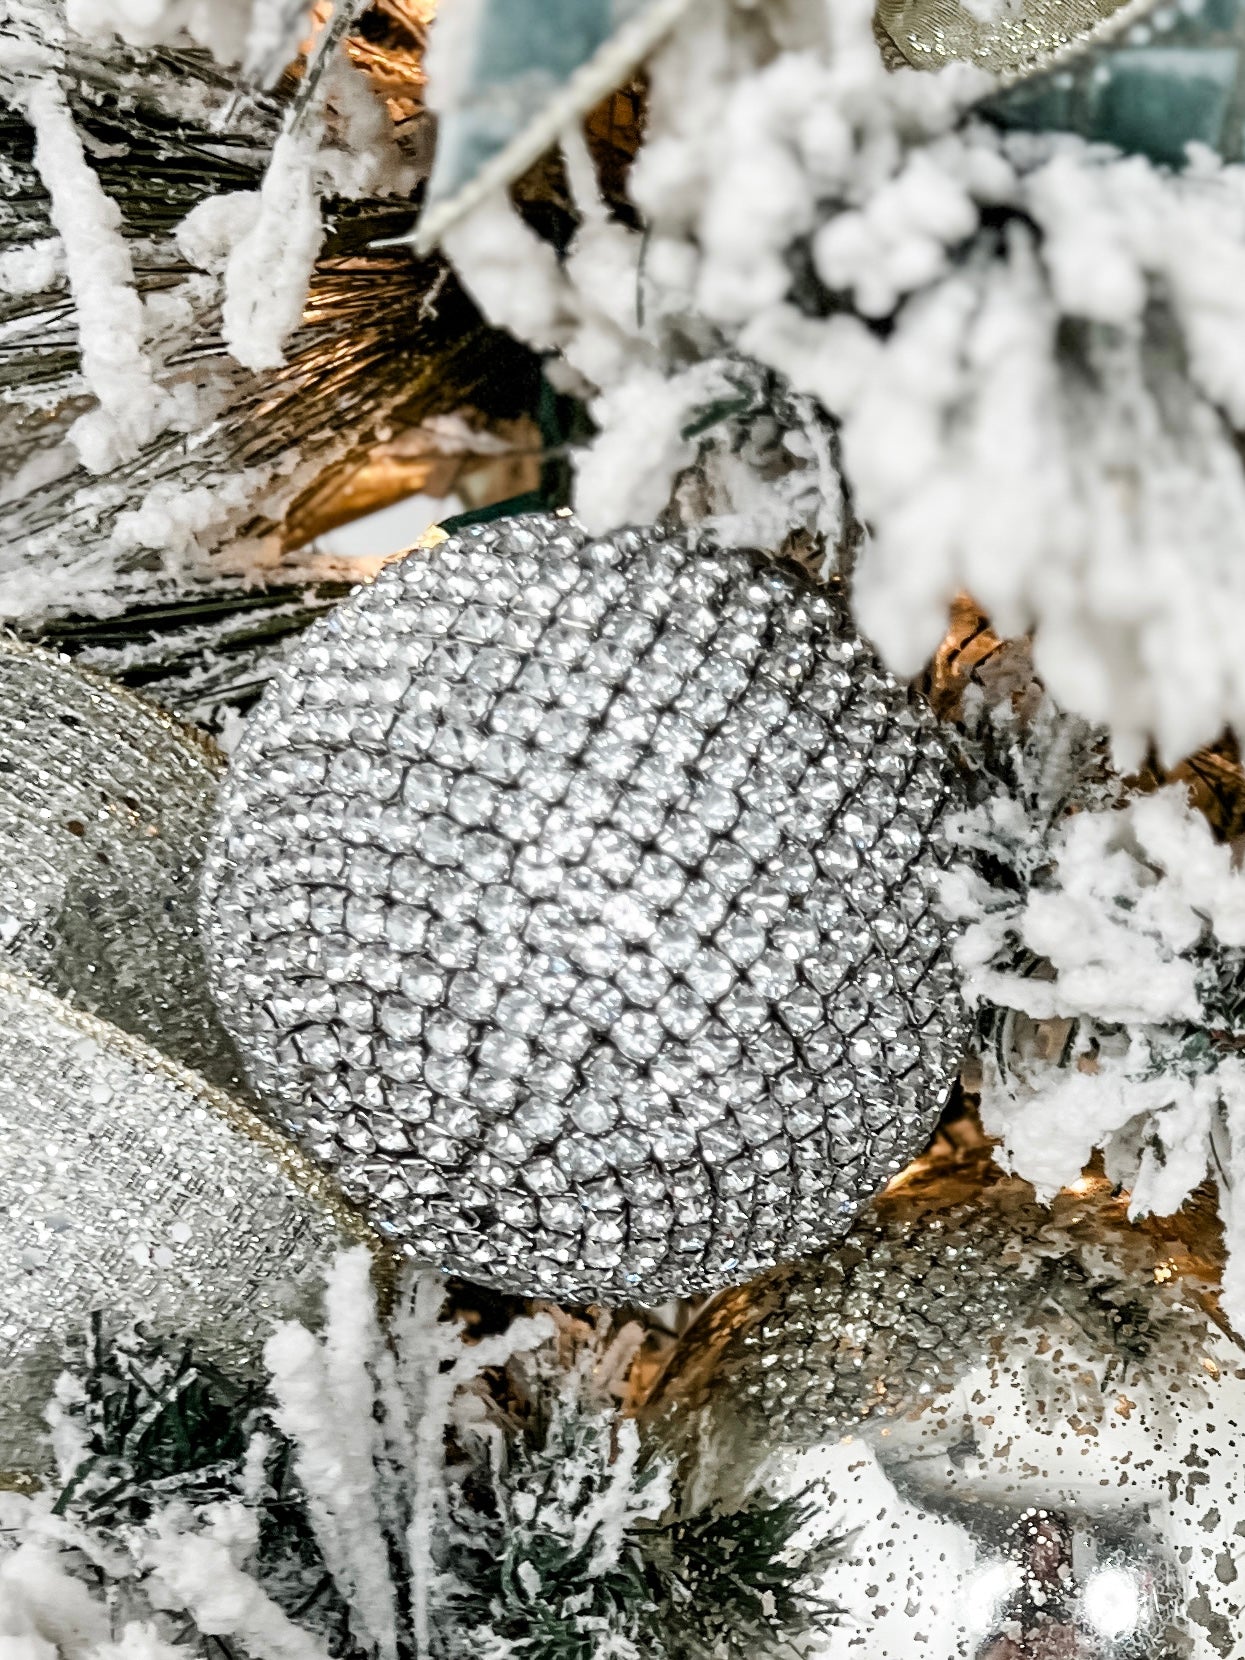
[1018, 39]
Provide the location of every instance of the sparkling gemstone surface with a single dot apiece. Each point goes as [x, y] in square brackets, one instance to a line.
[573, 900]
[130, 1186]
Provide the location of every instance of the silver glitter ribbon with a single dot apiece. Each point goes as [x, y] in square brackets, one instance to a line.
[129, 1182]
[105, 803]
[1018, 38]
[573, 901]
[1024, 1425]
[131, 1186]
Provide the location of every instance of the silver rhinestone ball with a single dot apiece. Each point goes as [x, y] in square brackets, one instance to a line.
[573, 900]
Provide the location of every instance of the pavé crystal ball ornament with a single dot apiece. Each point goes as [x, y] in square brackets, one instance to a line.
[572, 898]
[1027, 1426]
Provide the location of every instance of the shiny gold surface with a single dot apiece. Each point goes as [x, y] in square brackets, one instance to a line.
[1018, 39]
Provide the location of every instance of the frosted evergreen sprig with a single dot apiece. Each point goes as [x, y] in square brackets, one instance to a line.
[197, 322]
[1100, 935]
[1017, 357]
[409, 1493]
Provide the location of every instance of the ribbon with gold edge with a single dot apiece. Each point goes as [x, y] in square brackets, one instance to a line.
[136, 1177]
[1147, 76]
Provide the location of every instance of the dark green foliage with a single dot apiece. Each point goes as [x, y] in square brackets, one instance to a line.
[730, 1585]
[157, 1423]
[161, 1426]
[528, 1579]
[708, 1585]
[1051, 769]
[1049, 765]
[524, 1572]
[715, 1585]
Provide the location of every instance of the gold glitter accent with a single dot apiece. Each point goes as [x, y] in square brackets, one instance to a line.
[19, 1481]
[1021, 40]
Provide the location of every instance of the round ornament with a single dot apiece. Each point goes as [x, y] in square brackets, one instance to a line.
[573, 899]
[1026, 1427]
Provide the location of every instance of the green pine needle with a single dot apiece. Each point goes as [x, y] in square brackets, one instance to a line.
[157, 1422]
[731, 1584]
[529, 1582]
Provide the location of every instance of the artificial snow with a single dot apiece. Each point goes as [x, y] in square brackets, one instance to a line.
[1108, 961]
[1025, 356]
[269, 268]
[219, 25]
[146, 466]
[385, 1426]
[32, 268]
[195, 1572]
[111, 322]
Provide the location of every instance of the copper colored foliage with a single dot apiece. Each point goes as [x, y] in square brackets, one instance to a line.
[506, 463]
[972, 654]
[388, 43]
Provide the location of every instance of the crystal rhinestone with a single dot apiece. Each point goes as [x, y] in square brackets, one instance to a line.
[660, 914]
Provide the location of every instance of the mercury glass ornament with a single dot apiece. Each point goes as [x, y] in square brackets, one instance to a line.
[1027, 1426]
[105, 803]
[572, 898]
[131, 1186]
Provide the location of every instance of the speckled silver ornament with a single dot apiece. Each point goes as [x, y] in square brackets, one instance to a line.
[105, 803]
[1027, 1427]
[130, 1186]
[572, 898]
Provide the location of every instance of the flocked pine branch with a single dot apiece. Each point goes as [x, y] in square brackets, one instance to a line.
[196, 316]
[409, 1494]
[1100, 934]
[1020, 359]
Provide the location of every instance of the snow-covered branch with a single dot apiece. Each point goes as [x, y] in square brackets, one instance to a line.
[1025, 356]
